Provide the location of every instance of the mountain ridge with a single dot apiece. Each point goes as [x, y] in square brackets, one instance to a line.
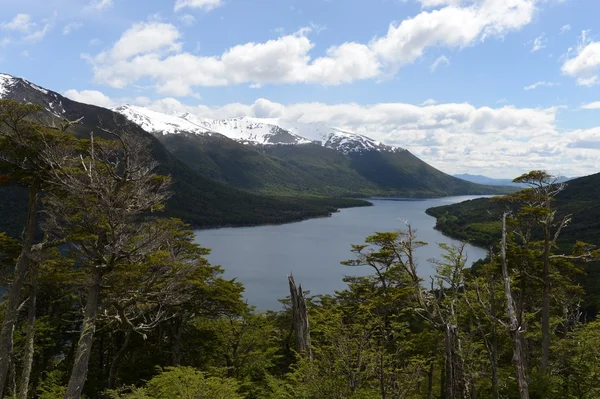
[252, 130]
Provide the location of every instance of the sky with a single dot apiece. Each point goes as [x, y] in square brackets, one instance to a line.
[492, 87]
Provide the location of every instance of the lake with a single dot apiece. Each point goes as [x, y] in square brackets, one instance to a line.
[262, 257]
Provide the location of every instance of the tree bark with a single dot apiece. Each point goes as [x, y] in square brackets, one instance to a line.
[84, 345]
[546, 301]
[300, 319]
[30, 336]
[516, 332]
[114, 366]
[456, 381]
[430, 381]
[14, 295]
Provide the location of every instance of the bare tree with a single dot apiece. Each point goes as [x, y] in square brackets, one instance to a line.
[98, 208]
[514, 327]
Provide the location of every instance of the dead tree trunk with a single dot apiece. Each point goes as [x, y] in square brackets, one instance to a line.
[84, 346]
[30, 337]
[14, 295]
[300, 319]
[456, 382]
[515, 329]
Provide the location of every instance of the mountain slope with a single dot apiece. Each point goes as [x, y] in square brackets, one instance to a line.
[197, 199]
[259, 155]
[478, 220]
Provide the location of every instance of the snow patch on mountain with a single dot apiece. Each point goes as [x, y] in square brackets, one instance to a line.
[6, 84]
[248, 130]
[156, 122]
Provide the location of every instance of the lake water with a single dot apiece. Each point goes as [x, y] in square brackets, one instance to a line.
[262, 257]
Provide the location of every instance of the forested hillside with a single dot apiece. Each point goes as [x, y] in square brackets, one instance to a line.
[116, 301]
[479, 222]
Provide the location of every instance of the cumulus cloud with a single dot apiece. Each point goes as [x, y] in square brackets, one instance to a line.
[539, 84]
[93, 97]
[205, 5]
[287, 58]
[585, 64]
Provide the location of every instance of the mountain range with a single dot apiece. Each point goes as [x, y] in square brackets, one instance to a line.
[278, 157]
[247, 171]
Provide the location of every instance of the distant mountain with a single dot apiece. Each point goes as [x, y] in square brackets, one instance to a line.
[277, 157]
[490, 181]
[255, 131]
[197, 199]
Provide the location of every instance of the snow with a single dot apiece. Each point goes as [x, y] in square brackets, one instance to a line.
[250, 130]
[156, 122]
[38, 88]
[245, 129]
[6, 83]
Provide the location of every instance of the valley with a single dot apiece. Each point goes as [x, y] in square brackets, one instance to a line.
[246, 171]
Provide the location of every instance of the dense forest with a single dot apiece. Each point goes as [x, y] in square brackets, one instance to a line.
[107, 298]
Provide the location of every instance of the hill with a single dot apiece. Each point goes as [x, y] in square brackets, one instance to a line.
[478, 221]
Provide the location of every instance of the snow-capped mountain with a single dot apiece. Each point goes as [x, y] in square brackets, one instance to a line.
[250, 130]
[19, 89]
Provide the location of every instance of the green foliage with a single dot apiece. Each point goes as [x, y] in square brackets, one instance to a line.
[184, 383]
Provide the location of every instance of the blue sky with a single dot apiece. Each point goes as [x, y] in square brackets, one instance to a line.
[496, 87]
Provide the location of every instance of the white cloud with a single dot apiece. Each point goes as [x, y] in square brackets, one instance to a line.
[585, 64]
[538, 43]
[429, 101]
[205, 5]
[99, 5]
[441, 60]
[27, 28]
[593, 105]
[93, 97]
[539, 84]
[39, 34]
[71, 27]
[565, 28]
[187, 19]
[287, 59]
[20, 23]
[438, 3]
